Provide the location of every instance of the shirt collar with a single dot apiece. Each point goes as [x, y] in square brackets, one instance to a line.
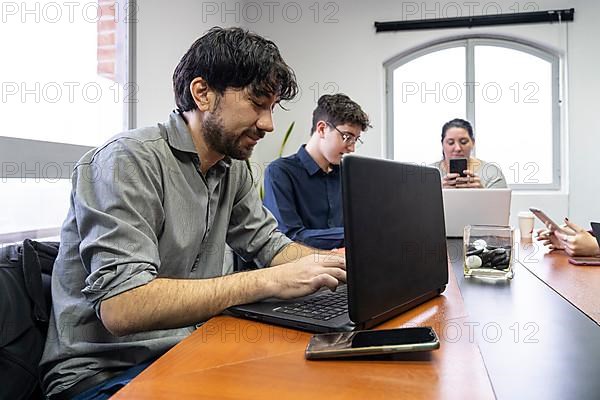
[309, 164]
[178, 133]
[307, 161]
[180, 137]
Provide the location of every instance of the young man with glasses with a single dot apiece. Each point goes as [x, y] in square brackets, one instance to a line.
[303, 190]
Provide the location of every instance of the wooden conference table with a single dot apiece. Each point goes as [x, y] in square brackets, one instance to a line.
[580, 285]
[532, 337]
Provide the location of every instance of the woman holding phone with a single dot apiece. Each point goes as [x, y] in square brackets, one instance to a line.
[573, 239]
[457, 143]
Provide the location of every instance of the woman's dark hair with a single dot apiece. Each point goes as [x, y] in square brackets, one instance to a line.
[233, 58]
[339, 109]
[458, 123]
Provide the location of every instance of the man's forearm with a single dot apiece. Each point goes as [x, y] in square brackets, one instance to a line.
[295, 251]
[173, 303]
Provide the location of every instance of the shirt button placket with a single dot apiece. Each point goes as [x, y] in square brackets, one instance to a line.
[196, 262]
[330, 204]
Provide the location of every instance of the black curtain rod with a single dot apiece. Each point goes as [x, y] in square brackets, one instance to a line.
[478, 20]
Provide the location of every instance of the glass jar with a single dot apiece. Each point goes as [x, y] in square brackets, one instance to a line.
[488, 251]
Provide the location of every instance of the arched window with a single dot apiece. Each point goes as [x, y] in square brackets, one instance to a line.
[509, 90]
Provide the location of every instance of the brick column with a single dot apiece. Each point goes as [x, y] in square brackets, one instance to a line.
[107, 43]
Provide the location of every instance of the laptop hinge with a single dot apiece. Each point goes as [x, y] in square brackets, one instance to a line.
[398, 310]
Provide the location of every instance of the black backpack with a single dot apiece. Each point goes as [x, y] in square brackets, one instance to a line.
[25, 302]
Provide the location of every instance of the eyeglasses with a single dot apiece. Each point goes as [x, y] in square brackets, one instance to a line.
[348, 138]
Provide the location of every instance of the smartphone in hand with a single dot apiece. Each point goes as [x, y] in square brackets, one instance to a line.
[458, 166]
[364, 343]
[546, 220]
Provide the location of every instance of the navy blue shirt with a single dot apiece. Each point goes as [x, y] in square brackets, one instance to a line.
[305, 200]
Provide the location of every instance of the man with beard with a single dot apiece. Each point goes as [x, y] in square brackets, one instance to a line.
[142, 248]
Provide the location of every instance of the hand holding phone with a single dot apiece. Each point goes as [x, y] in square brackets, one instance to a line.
[547, 220]
[363, 343]
[458, 166]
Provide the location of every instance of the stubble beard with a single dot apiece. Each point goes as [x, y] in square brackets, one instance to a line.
[223, 142]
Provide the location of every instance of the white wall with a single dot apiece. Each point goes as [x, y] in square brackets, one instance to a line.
[584, 103]
[165, 31]
[339, 48]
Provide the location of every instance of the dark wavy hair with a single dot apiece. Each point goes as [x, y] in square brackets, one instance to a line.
[458, 123]
[339, 109]
[233, 58]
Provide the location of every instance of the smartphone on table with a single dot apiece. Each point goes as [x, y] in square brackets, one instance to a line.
[458, 166]
[546, 220]
[585, 261]
[365, 343]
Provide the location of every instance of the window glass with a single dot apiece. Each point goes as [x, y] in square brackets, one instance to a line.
[428, 91]
[56, 83]
[513, 113]
[510, 101]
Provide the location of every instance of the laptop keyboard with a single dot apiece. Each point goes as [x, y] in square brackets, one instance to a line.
[323, 307]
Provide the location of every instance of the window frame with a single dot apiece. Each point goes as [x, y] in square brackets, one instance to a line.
[26, 155]
[469, 42]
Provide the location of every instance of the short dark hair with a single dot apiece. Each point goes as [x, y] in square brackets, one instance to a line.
[233, 58]
[458, 123]
[339, 109]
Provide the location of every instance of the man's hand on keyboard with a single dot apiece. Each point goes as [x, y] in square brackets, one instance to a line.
[307, 275]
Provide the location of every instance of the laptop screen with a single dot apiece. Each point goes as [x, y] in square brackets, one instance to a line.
[394, 233]
[475, 207]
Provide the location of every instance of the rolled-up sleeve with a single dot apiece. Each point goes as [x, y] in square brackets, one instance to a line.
[252, 231]
[117, 202]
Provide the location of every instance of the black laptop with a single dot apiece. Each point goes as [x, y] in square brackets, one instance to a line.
[396, 255]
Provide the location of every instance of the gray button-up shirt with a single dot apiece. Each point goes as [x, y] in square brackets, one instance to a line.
[141, 209]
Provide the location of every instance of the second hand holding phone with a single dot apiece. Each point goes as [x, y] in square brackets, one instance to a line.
[548, 222]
